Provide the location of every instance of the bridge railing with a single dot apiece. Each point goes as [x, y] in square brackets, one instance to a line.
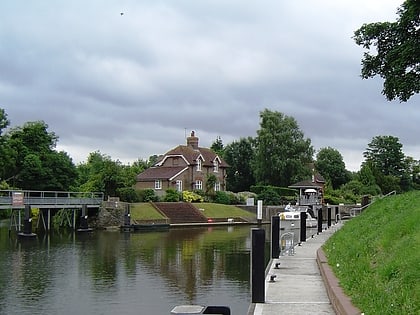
[16, 198]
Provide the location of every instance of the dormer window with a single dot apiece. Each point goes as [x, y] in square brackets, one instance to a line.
[199, 164]
[215, 166]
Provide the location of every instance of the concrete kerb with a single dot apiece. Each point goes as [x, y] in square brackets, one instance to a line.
[340, 302]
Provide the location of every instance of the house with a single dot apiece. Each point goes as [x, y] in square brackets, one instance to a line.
[311, 192]
[186, 167]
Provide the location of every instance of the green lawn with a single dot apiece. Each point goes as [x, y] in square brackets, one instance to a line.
[145, 211]
[376, 256]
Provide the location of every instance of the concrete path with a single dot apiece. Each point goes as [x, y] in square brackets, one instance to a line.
[298, 286]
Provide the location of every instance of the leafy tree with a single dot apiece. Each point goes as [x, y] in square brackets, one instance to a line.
[217, 146]
[385, 155]
[282, 153]
[100, 173]
[329, 163]
[33, 162]
[240, 155]
[398, 52]
[4, 122]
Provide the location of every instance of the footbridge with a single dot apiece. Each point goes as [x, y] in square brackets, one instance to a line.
[49, 203]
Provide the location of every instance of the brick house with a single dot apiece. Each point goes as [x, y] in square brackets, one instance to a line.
[186, 167]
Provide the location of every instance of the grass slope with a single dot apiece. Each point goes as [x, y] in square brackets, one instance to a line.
[376, 256]
[145, 211]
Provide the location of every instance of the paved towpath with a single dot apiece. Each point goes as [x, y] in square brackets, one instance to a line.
[298, 287]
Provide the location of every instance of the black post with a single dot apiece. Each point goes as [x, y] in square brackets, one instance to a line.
[127, 215]
[27, 221]
[329, 216]
[336, 214]
[319, 220]
[257, 266]
[84, 219]
[302, 227]
[275, 236]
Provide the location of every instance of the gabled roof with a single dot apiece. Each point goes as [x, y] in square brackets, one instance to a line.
[306, 184]
[191, 155]
[165, 173]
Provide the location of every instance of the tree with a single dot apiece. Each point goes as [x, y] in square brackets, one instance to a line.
[398, 52]
[329, 163]
[35, 164]
[388, 163]
[217, 146]
[240, 155]
[282, 153]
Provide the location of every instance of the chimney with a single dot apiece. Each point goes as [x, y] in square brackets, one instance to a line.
[192, 141]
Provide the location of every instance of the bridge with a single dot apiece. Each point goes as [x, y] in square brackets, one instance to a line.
[48, 203]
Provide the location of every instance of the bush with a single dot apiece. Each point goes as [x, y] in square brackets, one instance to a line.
[147, 195]
[128, 194]
[172, 195]
[269, 196]
[190, 196]
[222, 197]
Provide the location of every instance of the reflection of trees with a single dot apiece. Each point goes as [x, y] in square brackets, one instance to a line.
[194, 257]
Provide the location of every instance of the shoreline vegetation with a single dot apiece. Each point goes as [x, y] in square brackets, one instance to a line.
[376, 256]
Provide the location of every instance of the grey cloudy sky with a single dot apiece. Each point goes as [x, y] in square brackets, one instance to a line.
[134, 85]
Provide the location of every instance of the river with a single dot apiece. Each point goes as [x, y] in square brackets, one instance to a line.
[110, 272]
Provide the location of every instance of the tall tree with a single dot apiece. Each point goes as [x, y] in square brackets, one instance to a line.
[329, 163]
[240, 156]
[398, 52]
[5, 154]
[387, 161]
[36, 164]
[217, 146]
[283, 152]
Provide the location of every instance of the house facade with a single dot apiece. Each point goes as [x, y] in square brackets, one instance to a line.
[186, 167]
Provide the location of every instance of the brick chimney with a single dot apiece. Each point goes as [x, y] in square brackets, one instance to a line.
[192, 141]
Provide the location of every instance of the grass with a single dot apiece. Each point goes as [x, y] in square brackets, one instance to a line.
[145, 211]
[216, 210]
[376, 256]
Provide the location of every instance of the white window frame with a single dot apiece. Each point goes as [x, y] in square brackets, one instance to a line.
[179, 185]
[216, 166]
[158, 184]
[199, 184]
[217, 186]
[199, 164]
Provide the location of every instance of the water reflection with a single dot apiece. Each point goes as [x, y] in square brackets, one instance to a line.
[138, 273]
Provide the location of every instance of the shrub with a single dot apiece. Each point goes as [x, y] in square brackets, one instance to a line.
[172, 195]
[147, 195]
[128, 194]
[190, 196]
[222, 197]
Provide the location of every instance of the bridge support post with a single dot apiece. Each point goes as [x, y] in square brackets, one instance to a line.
[84, 221]
[27, 224]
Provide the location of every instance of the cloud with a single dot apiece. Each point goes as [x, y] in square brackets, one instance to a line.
[134, 85]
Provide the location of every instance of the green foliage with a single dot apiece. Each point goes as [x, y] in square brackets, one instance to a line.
[222, 197]
[398, 50]
[240, 155]
[282, 153]
[128, 194]
[31, 161]
[217, 146]
[190, 196]
[281, 191]
[210, 184]
[376, 256]
[172, 195]
[329, 163]
[147, 195]
[269, 196]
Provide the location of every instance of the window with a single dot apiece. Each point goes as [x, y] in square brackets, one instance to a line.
[199, 164]
[215, 166]
[179, 185]
[199, 185]
[158, 184]
[217, 186]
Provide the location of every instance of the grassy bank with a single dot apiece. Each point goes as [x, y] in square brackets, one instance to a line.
[376, 256]
[145, 211]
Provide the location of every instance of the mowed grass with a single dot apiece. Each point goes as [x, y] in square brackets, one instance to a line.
[145, 211]
[216, 210]
[376, 256]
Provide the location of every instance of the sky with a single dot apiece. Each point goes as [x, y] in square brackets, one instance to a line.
[133, 78]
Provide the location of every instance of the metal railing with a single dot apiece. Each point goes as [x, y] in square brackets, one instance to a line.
[20, 198]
